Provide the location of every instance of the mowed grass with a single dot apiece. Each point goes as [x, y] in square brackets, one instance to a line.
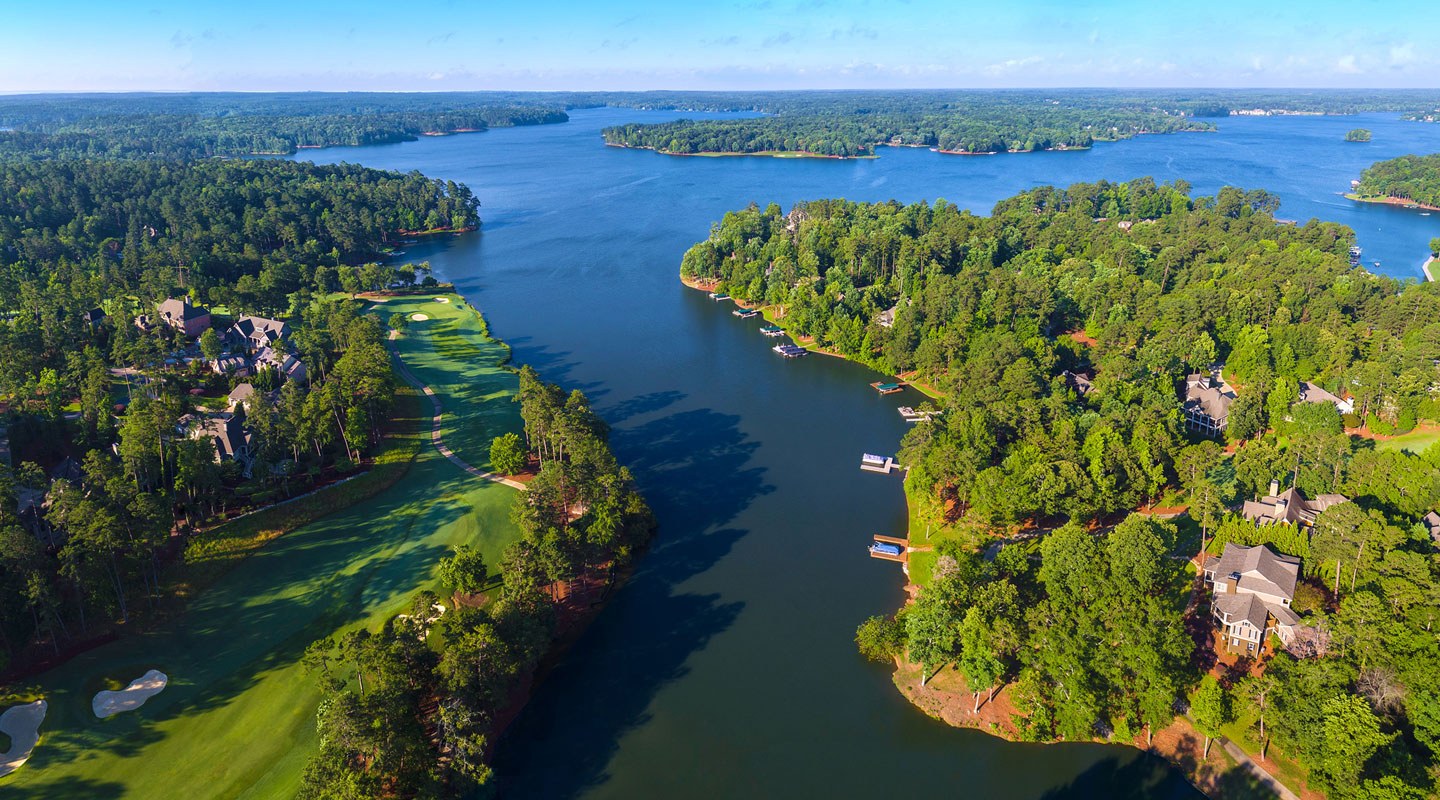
[1415, 441]
[237, 720]
[451, 353]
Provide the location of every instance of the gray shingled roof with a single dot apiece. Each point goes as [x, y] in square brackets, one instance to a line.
[1260, 569]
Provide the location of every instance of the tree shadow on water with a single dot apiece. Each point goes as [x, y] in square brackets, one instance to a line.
[1143, 777]
[692, 468]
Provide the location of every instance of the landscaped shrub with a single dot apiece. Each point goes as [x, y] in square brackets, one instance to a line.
[1406, 422]
[1351, 420]
[1378, 426]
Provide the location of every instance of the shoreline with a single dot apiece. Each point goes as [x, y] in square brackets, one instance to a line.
[731, 154]
[808, 342]
[1400, 202]
[1425, 268]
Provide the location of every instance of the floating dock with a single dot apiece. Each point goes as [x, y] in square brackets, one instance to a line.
[719, 296]
[790, 350]
[772, 330]
[746, 313]
[880, 464]
[887, 388]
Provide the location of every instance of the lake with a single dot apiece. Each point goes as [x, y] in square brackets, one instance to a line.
[726, 667]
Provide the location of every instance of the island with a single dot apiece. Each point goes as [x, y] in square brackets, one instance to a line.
[1124, 443]
[1358, 135]
[1408, 181]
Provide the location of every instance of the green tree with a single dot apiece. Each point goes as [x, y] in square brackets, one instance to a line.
[210, 346]
[1210, 707]
[507, 454]
[880, 638]
[464, 571]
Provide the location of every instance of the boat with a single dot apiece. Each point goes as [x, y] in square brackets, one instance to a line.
[1355, 256]
[746, 313]
[873, 463]
[885, 549]
[790, 350]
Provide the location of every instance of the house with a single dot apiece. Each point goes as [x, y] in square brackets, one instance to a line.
[886, 318]
[227, 432]
[249, 334]
[180, 315]
[284, 363]
[1252, 588]
[1079, 381]
[93, 317]
[232, 364]
[240, 394]
[1310, 393]
[1431, 522]
[1207, 403]
[1289, 507]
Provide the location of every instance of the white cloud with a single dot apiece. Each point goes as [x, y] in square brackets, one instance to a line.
[1010, 65]
[1347, 65]
[1402, 55]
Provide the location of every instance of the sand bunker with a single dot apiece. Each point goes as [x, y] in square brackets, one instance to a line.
[419, 317]
[108, 704]
[442, 299]
[22, 725]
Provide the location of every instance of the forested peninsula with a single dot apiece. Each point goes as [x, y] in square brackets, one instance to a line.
[1061, 330]
[205, 125]
[1407, 179]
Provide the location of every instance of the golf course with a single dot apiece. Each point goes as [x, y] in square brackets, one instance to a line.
[237, 716]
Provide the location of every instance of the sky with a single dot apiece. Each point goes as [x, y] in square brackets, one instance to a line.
[431, 45]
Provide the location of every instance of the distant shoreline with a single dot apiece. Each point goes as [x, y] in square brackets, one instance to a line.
[1392, 201]
[758, 153]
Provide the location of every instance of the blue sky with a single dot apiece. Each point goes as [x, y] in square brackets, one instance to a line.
[753, 44]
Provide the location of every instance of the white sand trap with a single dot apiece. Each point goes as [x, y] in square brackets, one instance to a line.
[442, 299]
[22, 725]
[419, 317]
[108, 704]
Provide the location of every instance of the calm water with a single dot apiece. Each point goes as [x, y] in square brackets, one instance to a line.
[726, 667]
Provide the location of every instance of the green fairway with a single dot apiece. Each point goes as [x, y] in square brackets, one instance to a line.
[1415, 441]
[237, 719]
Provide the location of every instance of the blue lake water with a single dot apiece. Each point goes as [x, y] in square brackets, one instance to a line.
[726, 667]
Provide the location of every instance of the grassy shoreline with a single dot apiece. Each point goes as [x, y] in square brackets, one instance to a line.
[757, 153]
[1386, 200]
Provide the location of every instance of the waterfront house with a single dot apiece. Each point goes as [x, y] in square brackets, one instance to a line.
[1431, 521]
[1289, 507]
[1310, 393]
[1251, 592]
[1207, 403]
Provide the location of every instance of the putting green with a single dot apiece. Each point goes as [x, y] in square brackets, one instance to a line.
[237, 720]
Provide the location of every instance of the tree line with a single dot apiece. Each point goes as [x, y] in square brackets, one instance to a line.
[1135, 286]
[413, 709]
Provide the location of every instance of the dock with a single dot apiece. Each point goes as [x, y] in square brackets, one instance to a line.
[880, 464]
[912, 416]
[746, 313]
[890, 548]
[719, 296]
[772, 330]
[887, 388]
[790, 350]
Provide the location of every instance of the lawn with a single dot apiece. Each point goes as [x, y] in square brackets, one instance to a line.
[1415, 441]
[238, 717]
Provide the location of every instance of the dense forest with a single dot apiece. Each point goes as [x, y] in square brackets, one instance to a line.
[1135, 286]
[854, 123]
[960, 130]
[1413, 178]
[202, 125]
[412, 710]
[104, 420]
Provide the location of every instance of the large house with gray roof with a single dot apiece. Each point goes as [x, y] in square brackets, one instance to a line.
[1289, 507]
[1207, 403]
[1252, 591]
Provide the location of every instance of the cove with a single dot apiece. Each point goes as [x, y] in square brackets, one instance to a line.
[726, 666]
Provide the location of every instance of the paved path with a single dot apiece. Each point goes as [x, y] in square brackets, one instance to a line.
[435, 436]
[1265, 778]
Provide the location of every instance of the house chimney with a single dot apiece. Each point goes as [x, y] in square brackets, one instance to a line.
[1274, 488]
